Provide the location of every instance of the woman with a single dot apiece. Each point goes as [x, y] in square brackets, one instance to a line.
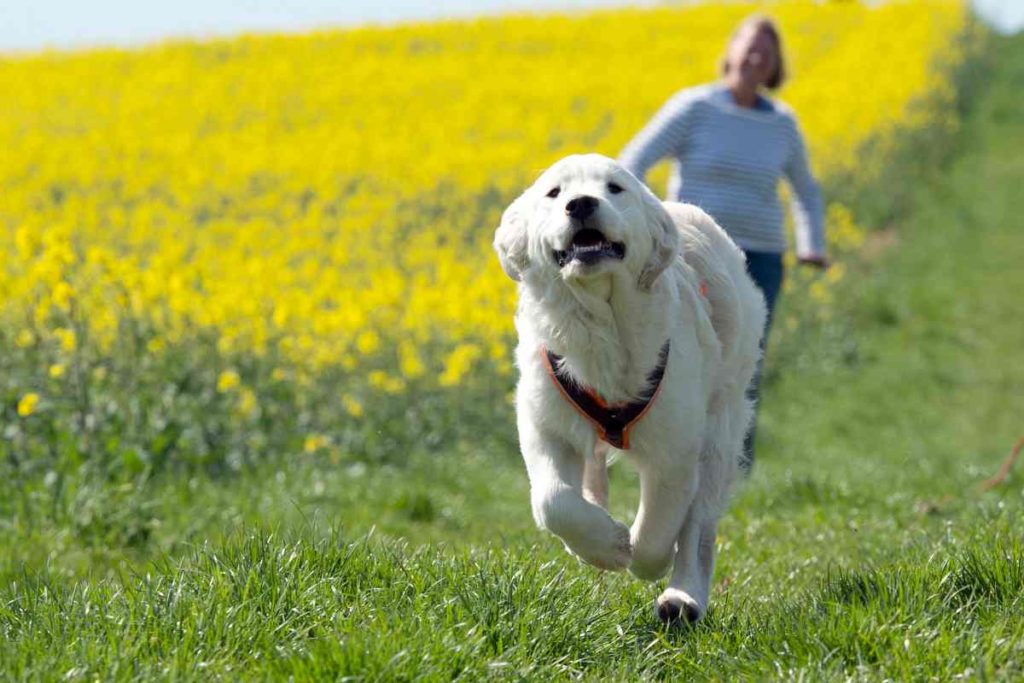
[729, 146]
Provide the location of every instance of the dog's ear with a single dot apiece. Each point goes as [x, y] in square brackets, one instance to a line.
[511, 239]
[666, 241]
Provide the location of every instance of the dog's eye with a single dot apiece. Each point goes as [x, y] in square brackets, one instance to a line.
[553, 192]
[614, 188]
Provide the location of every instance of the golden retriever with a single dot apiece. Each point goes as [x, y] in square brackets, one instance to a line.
[639, 331]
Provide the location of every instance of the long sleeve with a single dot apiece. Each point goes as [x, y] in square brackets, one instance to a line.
[665, 134]
[808, 211]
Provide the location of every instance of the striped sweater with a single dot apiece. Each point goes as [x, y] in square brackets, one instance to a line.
[728, 159]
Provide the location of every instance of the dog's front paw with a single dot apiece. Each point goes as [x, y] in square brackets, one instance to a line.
[675, 606]
[613, 552]
[650, 563]
[622, 548]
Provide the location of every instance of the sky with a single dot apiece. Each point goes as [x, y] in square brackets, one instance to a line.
[29, 25]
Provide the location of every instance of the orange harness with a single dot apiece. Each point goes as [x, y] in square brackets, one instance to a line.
[611, 422]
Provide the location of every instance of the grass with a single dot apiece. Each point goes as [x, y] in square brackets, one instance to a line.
[859, 549]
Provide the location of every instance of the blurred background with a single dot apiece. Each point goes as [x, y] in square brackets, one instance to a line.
[65, 24]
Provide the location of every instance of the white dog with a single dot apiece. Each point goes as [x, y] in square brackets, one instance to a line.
[639, 329]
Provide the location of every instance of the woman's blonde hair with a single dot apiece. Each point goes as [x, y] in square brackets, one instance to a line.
[762, 22]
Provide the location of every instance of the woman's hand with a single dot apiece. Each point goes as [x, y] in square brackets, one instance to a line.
[816, 260]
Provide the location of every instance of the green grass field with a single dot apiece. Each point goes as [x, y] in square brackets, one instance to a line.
[861, 547]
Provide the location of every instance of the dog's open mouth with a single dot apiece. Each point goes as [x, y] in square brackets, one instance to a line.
[589, 246]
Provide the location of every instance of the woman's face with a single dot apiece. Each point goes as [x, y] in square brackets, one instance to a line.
[752, 57]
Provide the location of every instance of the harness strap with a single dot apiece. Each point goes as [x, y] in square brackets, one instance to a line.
[611, 422]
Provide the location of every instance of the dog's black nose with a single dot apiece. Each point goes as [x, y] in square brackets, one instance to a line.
[581, 207]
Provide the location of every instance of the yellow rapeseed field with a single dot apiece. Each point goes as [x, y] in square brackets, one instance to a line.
[330, 197]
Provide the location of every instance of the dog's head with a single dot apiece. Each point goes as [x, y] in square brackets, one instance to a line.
[586, 216]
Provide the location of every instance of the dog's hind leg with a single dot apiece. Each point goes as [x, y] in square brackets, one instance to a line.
[556, 492]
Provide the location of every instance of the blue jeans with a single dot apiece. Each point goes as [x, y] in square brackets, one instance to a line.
[767, 271]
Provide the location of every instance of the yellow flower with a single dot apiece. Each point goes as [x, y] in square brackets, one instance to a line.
[234, 226]
[409, 362]
[246, 402]
[381, 380]
[56, 371]
[28, 404]
[67, 338]
[458, 363]
[24, 339]
[820, 292]
[367, 342]
[835, 273]
[377, 379]
[352, 405]
[315, 442]
[227, 380]
[61, 295]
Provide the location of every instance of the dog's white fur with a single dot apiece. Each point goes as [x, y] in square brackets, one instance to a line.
[608, 321]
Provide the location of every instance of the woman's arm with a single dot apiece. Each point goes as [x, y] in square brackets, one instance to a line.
[807, 206]
[664, 134]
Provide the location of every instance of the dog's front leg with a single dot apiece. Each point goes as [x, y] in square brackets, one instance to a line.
[689, 589]
[667, 489]
[595, 476]
[556, 492]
